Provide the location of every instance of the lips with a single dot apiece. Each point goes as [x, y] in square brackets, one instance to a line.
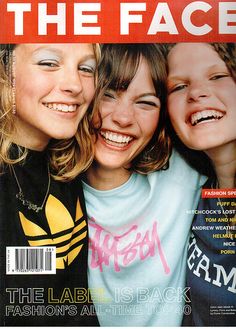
[205, 116]
[61, 107]
[116, 139]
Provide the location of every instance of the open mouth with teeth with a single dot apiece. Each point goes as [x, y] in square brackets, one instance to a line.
[61, 107]
[205, 116]
[115, 139]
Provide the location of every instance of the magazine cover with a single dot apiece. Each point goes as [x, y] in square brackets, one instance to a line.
[117, 163]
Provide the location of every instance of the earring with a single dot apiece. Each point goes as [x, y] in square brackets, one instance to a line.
[13, 97]
[14, 109]
[13, 85]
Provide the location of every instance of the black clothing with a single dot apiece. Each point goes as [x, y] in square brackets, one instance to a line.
[60, 299]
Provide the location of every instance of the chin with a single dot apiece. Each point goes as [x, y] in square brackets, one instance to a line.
[202, 146]
[63, 136]
[200, 143]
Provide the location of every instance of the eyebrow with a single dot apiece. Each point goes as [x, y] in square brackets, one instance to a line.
[60, 52]
[175, 78]
[178, 77]
[47, 48]
[90, 56]
[148, 94]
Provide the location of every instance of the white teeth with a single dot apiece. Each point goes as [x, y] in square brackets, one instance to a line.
[117, 138]
[61, 107]
[203, 116]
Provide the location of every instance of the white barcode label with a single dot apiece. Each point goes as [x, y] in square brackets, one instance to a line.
[31, 260]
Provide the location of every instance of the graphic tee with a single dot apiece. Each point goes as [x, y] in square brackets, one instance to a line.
[29, 297]
[211, 273]
[138, 236]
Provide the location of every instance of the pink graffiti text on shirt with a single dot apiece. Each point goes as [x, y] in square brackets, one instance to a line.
[104, 246]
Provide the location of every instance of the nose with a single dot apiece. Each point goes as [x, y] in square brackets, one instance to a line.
[70, 82]
[123, 114]
[197, 91]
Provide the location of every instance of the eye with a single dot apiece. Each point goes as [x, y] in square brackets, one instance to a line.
[88, 70]
[48, 63]
[219, 76]
[88, 67]
[108, 95]
[149, 103]
[176, 88]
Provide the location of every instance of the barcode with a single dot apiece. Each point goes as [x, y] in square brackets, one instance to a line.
[29, 260]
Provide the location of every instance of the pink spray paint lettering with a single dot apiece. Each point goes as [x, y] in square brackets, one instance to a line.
[106, 247]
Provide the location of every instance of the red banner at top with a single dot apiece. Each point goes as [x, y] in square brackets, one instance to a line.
[117, 21]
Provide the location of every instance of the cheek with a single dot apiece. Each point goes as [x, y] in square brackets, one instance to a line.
[149, 124]
[228, 98]
[32, 86]
[177, 122]
[106, 110]
[22, 84]
[88, 90]
[178, 125]
[225, 87]
[176, 113]
[96, 120]
[174, 105]
[24, 93]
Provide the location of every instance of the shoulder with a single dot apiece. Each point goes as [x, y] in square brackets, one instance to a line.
[67, 190]
[180, 172]
[184, 173]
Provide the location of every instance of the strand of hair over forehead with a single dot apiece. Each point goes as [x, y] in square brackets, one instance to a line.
[119, 65]
[227, 52]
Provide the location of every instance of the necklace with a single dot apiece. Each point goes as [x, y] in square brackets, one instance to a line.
[20, 195]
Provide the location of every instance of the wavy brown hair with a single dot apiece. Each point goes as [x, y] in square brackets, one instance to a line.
[68, 157]
[117, 68]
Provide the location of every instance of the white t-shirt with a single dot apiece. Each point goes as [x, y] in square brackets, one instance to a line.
[138, 246]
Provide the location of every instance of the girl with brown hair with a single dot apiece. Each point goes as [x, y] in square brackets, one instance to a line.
[201, 105]
[138, 220]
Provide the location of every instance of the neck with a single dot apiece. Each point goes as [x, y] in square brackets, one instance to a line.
[224, 161]
[29, 140]
[29, 145]
[104, 179]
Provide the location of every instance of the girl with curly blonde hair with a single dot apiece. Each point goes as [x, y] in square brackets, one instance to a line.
[45, 92]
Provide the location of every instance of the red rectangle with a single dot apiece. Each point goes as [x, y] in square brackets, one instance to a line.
[219, 193]
[117, 21]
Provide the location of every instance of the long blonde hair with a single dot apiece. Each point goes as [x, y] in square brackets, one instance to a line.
[67, 158]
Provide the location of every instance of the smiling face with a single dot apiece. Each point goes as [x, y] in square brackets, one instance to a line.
[201, 101]
[129, 120]
[54, 86]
